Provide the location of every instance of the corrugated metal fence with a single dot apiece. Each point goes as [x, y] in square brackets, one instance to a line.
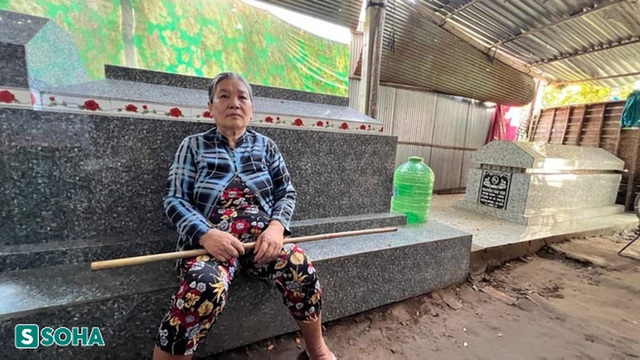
[442, 129]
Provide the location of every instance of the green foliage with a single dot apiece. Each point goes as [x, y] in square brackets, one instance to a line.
[561, 95]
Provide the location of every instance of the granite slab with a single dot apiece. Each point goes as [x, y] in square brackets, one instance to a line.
[13, 66]
[128, 303]
[35, 52]
[16, 30]
[19, 29]
[53, 59]
[541, 218]
[153, 93]
[195, 82]
[552, 193]
[74, 176]
[54, 253]
[346, 223]
[546, 157]
[492, 232]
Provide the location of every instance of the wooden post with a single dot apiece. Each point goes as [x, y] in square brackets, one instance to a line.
[533, 104]
[601, 124]
[566, 125]
[553, 120]
[371, 57]
[532, 135]
[580, 125]
[618, 135]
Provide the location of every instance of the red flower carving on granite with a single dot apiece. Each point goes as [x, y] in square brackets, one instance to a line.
[91, 105]
[268, 119]
[320, 124]
[175, 112]
[344, 126]
[7, 96]
[362, 127]
[131, 108]
[298, 122]
[52, 98]
[207, 114]
[144, 107]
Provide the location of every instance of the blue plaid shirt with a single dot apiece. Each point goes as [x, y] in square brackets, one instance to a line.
[203, 167]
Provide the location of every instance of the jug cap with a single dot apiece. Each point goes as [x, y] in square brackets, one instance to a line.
[416, 159]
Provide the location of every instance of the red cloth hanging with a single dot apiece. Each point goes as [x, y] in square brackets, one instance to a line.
[498, 127]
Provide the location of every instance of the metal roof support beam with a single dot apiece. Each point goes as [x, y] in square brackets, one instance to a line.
[461, 8]
[596, 78]
[572, 17]
[456, 30]
[631, 41]
[371, 57]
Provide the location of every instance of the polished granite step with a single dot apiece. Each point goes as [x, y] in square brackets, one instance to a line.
[357, 273]
[54, 253]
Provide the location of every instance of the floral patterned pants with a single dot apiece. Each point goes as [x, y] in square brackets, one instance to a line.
[203, 292]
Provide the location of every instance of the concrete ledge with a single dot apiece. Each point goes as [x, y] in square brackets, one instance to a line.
[357, 273]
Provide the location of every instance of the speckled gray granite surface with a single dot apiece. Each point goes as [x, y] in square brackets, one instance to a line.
[19, 29]
[547, 157]
[134, 91]
[38, 53]
[200, 83]
[13, 66]
[53, 59]
[15, 32]
[53, 253]
[547, 183]
[78, 176]
[128, 303]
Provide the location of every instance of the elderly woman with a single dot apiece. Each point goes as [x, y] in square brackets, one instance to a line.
[228, 186]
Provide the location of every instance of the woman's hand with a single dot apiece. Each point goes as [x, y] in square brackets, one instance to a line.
[269, 243]
[222, 245]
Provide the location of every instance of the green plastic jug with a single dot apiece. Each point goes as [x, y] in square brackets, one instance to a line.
[412, 190]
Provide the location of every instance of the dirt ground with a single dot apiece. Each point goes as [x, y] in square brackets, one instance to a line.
[573, 300]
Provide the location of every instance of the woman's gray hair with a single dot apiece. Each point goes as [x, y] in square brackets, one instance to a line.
[224, 76]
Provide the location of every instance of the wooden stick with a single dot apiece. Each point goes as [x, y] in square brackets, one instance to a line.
[138, 260]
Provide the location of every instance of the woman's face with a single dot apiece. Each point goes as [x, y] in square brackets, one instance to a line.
[231, 105]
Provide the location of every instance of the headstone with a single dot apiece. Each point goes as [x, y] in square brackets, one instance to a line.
[535, 183]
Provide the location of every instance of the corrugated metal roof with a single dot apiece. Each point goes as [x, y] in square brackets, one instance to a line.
[418, 53]
[554, 39]
[537, 31]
